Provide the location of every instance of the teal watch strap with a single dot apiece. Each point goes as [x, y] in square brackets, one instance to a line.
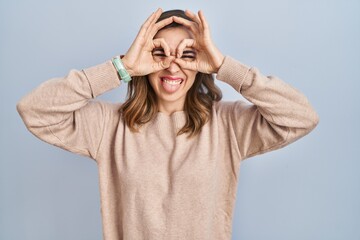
[124, 75]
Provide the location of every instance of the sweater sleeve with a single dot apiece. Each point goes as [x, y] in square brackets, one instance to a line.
[279, 114]
[62, 112]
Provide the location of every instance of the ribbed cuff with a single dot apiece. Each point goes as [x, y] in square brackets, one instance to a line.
[102, 78]
[233, 72]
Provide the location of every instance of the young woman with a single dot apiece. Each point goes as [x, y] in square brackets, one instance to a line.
[169, 156]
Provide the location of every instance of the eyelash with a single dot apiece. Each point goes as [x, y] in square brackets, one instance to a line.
[163, 55]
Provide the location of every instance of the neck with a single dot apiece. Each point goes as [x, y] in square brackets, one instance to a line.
[169, 108]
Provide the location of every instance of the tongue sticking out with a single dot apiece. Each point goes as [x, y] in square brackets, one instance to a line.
[171, 86]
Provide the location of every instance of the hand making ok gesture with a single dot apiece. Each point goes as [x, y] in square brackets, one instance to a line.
[209, 58]
[139, 60]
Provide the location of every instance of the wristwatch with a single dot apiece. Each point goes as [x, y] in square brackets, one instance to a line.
[124, 75]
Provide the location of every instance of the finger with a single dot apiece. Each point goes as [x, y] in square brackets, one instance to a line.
[203, 20]
[184, 44]
[148, 21]
[185, 64]
[151, 21]
[193, 16]
[157, 66]
[160, 25]
[160, 43]
[193, 26]
[157, 15]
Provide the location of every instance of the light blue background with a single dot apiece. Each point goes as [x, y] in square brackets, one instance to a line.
[308, 190]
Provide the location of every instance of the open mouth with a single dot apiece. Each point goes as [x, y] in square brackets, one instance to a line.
[171, 84]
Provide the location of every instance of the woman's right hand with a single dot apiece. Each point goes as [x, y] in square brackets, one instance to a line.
[139, 60]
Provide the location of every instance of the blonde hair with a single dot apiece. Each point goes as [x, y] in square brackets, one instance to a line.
[141, 104]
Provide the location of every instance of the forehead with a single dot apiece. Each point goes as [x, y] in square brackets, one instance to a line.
[173, 36]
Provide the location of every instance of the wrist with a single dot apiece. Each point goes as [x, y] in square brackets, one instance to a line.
[121, 69]
[218, 62]
[126, 65]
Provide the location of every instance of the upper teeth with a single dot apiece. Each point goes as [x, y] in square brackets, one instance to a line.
[172, 81]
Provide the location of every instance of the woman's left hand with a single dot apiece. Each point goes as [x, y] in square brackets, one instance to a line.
[208, 57]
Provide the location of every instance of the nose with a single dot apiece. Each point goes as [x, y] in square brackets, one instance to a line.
[173, 68]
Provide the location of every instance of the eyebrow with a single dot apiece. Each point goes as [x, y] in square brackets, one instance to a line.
[158, 49]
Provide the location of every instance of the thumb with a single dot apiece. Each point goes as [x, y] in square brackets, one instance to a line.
[163, 64]
[185, 64]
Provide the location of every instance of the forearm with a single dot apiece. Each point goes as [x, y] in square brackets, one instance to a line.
[57, 98]
[277, 101]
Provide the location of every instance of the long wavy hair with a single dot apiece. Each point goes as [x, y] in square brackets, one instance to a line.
[141, 104]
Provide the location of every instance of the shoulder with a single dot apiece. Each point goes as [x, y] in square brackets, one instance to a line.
[227, 107]
[104, 108]
[225, 112]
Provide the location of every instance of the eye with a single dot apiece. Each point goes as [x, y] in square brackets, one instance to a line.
[189, 55]
[158, 52]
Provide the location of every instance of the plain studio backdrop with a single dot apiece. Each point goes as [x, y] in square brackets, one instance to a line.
[307, 190]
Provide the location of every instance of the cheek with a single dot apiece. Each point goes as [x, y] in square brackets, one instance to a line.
[152, 79]
[190, 75]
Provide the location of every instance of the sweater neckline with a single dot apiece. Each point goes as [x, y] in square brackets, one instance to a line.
[176, 119]
[177, 113]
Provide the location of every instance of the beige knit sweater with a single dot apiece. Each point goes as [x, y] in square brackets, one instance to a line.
[156, 185]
